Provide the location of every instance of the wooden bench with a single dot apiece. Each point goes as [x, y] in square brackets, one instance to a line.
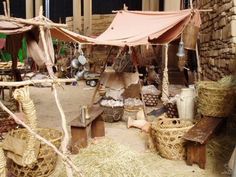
[197, 138]
[80, 131]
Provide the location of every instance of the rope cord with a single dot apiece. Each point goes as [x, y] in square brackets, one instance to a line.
[22, 96]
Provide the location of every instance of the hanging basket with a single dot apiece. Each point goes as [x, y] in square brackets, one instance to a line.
[47, 158]
[167, 137]
[215, 100]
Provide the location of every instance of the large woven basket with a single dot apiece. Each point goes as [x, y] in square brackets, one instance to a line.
[47, 158]
[167, 137]
[112, 114]
[214, 100]
[150, 100]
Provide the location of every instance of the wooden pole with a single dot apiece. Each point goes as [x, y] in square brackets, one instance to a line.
[88, 17]
[32, 82]
[38, 3]
[29, 9]
[199, 69]
[77, 15]
[49, 64]
[8, 8]
[5, 9]
[154, 5]
[145, 5]
[32, 22]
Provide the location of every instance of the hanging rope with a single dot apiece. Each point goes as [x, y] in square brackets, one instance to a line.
[23, 97]
[165, 82]
[3, 163]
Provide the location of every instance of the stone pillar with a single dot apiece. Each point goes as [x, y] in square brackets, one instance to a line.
[38, 3]
[145, 4]
[77, 15]
[29, 13]
[87, 17]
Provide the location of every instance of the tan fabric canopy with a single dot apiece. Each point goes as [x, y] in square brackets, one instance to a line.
[137, 28]
[143, 27]
[69, 36]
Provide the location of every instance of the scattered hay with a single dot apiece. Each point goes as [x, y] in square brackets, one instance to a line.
[106, 159]
[110, 159]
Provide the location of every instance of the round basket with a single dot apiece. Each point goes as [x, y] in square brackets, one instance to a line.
[214, 100]
[167, 137]
[112, 114]
[47, 158]
[150, 100]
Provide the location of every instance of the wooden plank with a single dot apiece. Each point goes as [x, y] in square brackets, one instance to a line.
[79, 139]
[94, 113]
[98, 128]
[196, 153]
[203, 130]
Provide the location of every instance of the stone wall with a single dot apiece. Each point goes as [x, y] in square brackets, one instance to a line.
[99, 23]
[217, 38]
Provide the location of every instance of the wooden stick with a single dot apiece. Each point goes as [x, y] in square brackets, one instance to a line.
[32, 82]
[8, 8]
[205, 10]
[5, 8]
[191, 4]
[64, 158]
[199, 70]
[33, 22]
[66, 139]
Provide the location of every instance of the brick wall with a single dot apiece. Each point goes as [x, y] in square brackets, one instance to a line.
[217, 38]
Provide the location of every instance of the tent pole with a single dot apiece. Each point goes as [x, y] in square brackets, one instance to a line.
[165, 81]
[199, 69]
[8, 8]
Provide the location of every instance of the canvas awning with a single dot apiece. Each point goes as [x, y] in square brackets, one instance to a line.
[137, 28]
[69, 36]
[143, 27]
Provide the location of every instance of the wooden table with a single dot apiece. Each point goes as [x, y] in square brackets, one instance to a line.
[79, 130]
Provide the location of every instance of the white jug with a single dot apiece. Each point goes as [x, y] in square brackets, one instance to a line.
[185, 103]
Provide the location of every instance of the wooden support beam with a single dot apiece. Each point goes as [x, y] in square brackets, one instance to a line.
[31, 22]
[88, 17]
[154, 5]
[29, 13]
[145, 5]
[32, 82]
[77, 16]
[38, 3]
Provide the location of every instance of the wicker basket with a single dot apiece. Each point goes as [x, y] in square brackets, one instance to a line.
[47, 158]
[150, 100]
[112, 114]
[214, 100]
[167, 137]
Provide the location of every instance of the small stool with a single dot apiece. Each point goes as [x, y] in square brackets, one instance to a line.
[79, 130]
